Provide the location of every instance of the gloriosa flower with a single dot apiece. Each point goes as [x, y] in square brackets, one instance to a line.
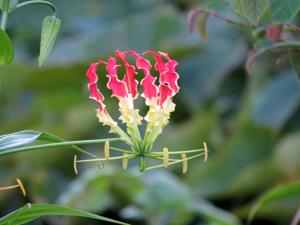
[157, 91]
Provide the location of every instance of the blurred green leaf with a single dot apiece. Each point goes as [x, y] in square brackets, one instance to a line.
[282, 11]
[6, 48]
[287, 155]
[31, 212]
[101, 189]
[213, 214]
[278, 101]
[248, 145]
[50, 29]
[252, 10]
[277, 193]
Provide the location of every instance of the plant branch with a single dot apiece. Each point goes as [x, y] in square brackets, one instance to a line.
[37, 2]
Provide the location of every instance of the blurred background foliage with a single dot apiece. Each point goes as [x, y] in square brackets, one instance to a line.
[251, 123]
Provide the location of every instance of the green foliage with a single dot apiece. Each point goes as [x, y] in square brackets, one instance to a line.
[283, 191]
[50, 29]
[251, 123]
[252, 10]
[31, 212]
[13, 143]
[283, 11]
[6, 48]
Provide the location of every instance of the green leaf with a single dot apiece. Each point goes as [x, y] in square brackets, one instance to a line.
[12, 143]
[50, 28]
[213, 214]
[6, 48]
[282, 11]
[31, 212]
[277, 193]
[252, 10]
[278, 101]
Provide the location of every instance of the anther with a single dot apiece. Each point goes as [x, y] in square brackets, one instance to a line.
[106, 150]
[125, 162]
[21, 186]
[75, 164]
[166, 157]
[184, 163]
[205, 151]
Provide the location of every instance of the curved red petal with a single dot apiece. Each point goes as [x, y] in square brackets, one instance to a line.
[148, 82]
[117, 87]
[95, 94]
[171, 76]
[164, 92]
[131, 83]
[166, 70]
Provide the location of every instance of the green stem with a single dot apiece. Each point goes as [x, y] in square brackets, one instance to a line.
[174, 152]
[59, 144]
[38, 2]
[120, 150]
[4, 19]
[103, 159]
[175, 162]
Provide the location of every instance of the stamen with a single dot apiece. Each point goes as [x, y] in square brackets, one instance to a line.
[75, 164]
[205, 151]
[125, 161]
[106, 150]
[184, 163]
[166, 157]
[21, 187]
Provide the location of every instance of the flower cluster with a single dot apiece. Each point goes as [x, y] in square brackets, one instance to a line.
[157, 91]
[157, 96]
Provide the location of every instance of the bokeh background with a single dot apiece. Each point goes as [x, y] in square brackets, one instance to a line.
[251, 123]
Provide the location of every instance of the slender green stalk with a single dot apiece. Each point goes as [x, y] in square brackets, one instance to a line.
[175, 152]
[4, 19]
[37, 2]
[175, 162]
[59, 144]
[120, 150]
[103, 159]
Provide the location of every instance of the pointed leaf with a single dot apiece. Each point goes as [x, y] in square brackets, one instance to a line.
[50, 28]
[6, 48]
[31, 212]
[10, 143]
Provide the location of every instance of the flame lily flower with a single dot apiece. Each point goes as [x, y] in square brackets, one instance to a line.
[157, 91]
